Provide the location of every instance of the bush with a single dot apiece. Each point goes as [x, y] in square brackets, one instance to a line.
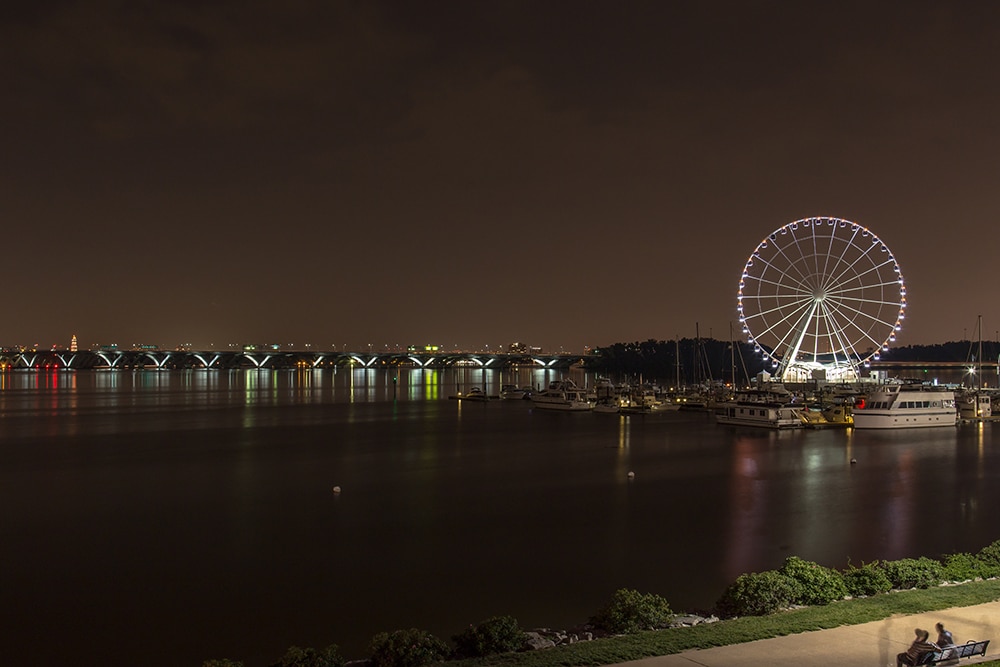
[630, 611]
[758, 594]
[960, 567]
[500, 634]
[869, 579]
[817, 584]
[964, 566]
[406, 648]
[907, 573]
[310, 657]
[990, 556]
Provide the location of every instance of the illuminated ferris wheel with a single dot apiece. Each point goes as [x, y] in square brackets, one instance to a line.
[819, 298]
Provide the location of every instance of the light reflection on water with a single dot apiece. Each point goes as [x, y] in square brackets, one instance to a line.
[181, 493]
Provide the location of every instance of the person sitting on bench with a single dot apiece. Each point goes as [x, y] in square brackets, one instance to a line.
[945, 638]
[918, 648]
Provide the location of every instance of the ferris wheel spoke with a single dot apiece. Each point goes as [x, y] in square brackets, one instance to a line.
[783, 303]
[784, 274]
[792, 263]
[786, 317]
[782, 325]
[790, 284]
[830, 250]
[843, 253]
[847, 345]
[861, 287]
[864, 331]
[835, 338]
[781, 297]
[875, 269]
[852, 266]
[866, 304]
[841, 298]
[792, 309]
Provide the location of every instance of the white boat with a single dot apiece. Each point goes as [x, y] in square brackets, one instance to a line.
[639, 399]
[604, 391]
[689, 401]
[475, 394]
[607, 405]
[974, 405]
[511, 392]
[562, 395]
[764, 408]
[907, 406]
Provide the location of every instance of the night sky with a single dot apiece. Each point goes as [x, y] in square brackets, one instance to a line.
[470, 174]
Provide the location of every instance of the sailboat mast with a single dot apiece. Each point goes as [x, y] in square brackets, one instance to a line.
[979, 375]
[732, 354]
[697, 354]
[677, 360]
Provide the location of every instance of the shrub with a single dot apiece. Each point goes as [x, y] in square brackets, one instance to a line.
[630, 611]
[817, 584]
[990, 556]
[869, 579]
[965, 566]
[960, 567]
[310, 657]
[406, 648]
[500, 634]
[758, 594]
[907, 573]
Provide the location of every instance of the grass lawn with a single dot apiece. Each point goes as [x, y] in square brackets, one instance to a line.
[736, 631]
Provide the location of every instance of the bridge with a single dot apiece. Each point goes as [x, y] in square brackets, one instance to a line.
[272, 359]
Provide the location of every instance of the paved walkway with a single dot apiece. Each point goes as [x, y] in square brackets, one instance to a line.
[872, 644]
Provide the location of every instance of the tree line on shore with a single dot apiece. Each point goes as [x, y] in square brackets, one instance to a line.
[690, 361]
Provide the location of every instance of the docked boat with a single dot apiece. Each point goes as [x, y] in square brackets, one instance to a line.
[475, 394]
[604, 391]
[690, 401]
[511, 392]
[974, 405]
[607, 405]
[639, 399]
[825, 416]
[764, 408]
[562, 395]
[907, 406]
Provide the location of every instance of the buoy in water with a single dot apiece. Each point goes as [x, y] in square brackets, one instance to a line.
[336, 489]
[853, 461]
[631, 475]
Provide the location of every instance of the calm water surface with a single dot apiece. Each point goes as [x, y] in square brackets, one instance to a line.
[177, 516]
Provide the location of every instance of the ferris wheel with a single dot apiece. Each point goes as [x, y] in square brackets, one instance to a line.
[821, 297]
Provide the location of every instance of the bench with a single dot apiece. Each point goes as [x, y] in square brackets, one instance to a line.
[966, 650]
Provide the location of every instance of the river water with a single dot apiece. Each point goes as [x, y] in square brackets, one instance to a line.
[170, 517]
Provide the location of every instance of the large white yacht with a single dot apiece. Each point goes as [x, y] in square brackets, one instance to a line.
[562, 395]
[907, 406]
